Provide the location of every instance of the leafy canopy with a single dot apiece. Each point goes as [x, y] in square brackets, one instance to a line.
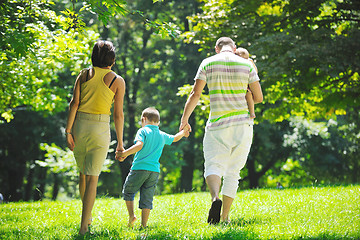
[304, 51]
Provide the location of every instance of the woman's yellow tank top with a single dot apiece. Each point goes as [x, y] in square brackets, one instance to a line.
[95, 96]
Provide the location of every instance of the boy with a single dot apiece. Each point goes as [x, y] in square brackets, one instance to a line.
[144, 173]
[242, 52]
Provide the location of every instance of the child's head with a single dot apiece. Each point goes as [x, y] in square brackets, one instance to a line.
[242, 52]
[151, 114]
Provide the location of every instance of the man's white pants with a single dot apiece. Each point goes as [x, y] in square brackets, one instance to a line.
[226, 151]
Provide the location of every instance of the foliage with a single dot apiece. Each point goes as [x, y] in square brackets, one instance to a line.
[20, 177]
[36, 42]
[108, 9]
[58, 160]
[304, 51]
[60, 45]
[61, 163]
[324, 151]
[307, 213]
[153, 66]
[30, 67]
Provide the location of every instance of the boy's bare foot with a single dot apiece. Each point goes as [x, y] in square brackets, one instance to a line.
[132, 222]
[90, 220]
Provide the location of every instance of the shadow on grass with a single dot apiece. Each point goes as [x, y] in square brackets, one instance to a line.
[227, 233]
[237, 229]
[242, 222]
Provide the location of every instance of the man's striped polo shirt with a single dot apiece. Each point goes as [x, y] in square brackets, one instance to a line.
[227, 76]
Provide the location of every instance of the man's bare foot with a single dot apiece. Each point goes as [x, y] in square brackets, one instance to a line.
[132, 222]
[225, 220]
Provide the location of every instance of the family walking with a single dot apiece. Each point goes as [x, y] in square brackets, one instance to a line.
[234, 88]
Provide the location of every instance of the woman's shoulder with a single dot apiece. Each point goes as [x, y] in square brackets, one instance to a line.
[119, 80]
[83, 74]
[85, 70]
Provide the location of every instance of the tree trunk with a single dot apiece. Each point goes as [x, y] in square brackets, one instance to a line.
[40, 189]
[29, 185]
[56, 187]
[252, 175]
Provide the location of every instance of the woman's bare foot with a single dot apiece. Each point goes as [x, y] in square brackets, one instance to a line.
[83, 231]
[132, 221]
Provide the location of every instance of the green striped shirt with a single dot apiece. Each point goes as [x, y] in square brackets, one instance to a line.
[227, 76]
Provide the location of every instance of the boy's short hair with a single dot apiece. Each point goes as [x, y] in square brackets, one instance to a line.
[152, 114]
[242, 52]
[225, 41]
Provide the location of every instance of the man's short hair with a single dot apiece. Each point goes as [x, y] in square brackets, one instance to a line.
[225, 41]
[152, 114]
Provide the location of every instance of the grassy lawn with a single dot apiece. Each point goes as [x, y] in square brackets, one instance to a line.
[306, 213]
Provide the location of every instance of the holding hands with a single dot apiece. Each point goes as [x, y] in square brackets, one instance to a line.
[119, 151]
[186, 129]
[121, 156]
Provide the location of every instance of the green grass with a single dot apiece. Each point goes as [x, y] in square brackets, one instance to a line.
[305, 213]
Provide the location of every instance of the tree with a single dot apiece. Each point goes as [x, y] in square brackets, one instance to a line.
[304, 52]
[36, 42]
[153, 66]
[309, 71]
[31, 63]
[55, 42]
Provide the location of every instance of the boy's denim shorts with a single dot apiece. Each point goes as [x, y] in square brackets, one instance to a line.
[143, 181]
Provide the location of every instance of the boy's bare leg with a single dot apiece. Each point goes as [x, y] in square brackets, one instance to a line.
[88, 202]
[251, 104]
[130, 208]
[145, 213]
[227, 202]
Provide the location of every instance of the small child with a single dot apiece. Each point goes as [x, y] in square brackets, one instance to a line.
[242, 52]
[144, 173]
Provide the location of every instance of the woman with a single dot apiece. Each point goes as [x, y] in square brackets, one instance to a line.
[88, 130]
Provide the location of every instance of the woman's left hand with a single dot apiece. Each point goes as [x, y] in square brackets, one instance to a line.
[70, 141]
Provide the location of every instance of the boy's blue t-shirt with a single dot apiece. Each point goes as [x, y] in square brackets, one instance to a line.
[154, 141]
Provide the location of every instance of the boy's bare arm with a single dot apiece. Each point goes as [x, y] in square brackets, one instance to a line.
[131, 150]
[183, 133]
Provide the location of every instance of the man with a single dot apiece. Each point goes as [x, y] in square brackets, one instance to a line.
[229, 130]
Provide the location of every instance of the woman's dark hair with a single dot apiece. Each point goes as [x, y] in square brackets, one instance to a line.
[103, 54]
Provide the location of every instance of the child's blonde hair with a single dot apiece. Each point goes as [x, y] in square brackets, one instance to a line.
[242, 52]
[152, 114]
